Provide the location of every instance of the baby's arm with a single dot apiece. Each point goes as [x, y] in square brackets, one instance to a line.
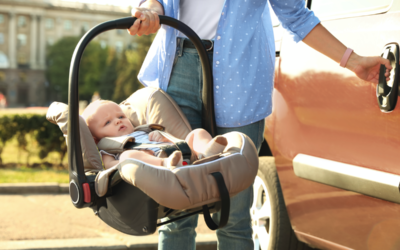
[141, 156]
[109, 161]
[157, 136]
[201, 142]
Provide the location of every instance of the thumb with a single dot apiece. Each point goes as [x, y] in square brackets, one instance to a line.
[386, 62]
[136, 13]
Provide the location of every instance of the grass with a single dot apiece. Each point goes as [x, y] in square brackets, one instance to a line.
[25, 175]
[45, 170]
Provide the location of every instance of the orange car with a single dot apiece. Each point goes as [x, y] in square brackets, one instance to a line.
[333, 180]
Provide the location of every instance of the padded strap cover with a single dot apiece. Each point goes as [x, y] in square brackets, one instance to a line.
[115, 145]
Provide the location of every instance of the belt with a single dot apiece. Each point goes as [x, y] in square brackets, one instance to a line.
[208, 44]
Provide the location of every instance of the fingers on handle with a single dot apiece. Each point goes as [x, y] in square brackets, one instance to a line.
[133, 30]
[387, 64]
[147, 22]
[152, 23]
[155, 22]
[144, 26]
[136, 12]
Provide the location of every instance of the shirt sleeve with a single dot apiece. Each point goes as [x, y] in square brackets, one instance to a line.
[295, 17]
[142, 1]
[160, 1]
[102, 152]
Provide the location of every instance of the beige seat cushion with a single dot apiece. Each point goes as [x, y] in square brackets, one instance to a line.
[191, 186]
[151, 105]
[58, 114]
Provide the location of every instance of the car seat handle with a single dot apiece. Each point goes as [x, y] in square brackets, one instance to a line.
[75, 161]
[387, 92]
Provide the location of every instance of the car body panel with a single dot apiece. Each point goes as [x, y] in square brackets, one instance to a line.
[323, 110]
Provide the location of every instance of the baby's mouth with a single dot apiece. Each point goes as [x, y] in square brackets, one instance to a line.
[122, 128]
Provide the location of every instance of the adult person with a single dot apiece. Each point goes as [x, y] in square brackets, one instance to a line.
[242, 55]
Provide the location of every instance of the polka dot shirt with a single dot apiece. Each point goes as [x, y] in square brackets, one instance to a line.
[244, 55]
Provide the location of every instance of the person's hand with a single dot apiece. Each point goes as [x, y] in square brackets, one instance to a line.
[157, 136]
[147, 22]
[367, 68]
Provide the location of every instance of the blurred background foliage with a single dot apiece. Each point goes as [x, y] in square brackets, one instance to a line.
[29, 141]
[111, 73]
[33, 135]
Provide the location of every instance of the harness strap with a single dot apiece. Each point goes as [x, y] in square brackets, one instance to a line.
[181, 144]
[185, 149]
[225, 204]
[168, 149]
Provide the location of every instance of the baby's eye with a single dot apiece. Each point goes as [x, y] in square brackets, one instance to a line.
[121, 117]
[107, 122]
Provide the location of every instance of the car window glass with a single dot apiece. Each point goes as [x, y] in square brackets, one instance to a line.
[329, 9]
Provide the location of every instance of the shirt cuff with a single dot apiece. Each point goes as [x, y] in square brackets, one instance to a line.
[102, 152]
[140, 3]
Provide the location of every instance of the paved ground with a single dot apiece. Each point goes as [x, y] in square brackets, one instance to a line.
[43, 221]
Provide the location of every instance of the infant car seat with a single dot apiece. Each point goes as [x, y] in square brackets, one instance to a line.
[133, 195]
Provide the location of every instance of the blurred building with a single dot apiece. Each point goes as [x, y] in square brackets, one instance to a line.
[28, 27]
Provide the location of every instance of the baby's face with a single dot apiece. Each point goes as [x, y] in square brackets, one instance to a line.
[109, 121]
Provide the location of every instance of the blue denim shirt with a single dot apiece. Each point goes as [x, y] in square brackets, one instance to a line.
[244, 55]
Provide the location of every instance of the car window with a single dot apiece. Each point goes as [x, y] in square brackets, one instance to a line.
[331, 9]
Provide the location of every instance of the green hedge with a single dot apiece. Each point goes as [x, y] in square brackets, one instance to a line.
[48, 136]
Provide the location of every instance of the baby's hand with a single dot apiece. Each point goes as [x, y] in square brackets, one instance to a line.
[157, 136]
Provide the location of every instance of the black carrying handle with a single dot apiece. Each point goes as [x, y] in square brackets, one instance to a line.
[387, 93]
[225, 207]
[225, 204]
[76, 171]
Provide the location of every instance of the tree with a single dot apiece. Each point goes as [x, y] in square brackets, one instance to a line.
[109, 76]
[92, 65]
[128, 68]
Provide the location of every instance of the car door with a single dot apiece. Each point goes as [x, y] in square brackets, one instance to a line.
[336, 151]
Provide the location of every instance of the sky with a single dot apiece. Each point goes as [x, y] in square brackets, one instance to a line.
[123, 3]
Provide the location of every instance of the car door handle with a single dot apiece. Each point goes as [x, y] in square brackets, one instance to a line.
[387, 91]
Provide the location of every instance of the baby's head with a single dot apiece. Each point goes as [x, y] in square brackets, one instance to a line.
[106, 119]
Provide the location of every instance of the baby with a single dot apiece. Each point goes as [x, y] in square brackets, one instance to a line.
[106, 119]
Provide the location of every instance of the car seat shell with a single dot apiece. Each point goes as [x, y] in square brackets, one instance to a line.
[184, 187]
